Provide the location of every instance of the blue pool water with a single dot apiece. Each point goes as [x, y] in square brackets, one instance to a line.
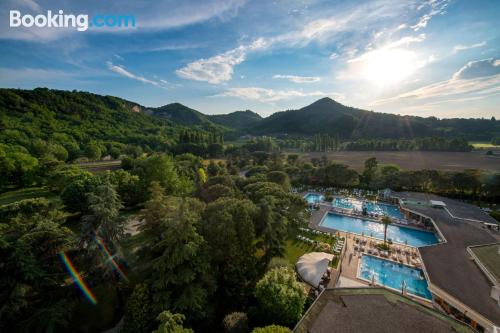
[392, 275]
[313, 198]
[342, 203]
[385, 209]
[396, 233]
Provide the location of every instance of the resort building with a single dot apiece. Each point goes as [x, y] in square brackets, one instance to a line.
[444, 254]
[373, 310]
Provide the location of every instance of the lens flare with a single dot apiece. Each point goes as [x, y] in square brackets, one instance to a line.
[110, 258]
[77, 278]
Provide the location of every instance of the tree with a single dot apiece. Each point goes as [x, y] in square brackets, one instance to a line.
[280, 178]
[228, 227]
[93, 151]
[34, 295]
[176, 255]
[139, 315]
[272, 329]
[235, 322]
[274, 229]
[161, 169]
[369, 171]
[386, 221]
[102, 217]
[281, 298]
[171, 323]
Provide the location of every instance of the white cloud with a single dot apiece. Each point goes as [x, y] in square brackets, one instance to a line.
[477, 78]
[334, 56]
[437, 7]
[123, 72]
[478, 68]
[219, 68]
[155, 15]
[460, 47]
[298, 79]
[267, 95]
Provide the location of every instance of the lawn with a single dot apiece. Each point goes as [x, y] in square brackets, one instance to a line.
[483, 145]
[26, 193]
[295, 248]
[490, 258]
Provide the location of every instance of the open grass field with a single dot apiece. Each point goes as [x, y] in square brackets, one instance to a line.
[484, 145]
[416, 160]
[25, 193]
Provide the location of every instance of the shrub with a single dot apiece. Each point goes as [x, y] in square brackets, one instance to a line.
[235, 322]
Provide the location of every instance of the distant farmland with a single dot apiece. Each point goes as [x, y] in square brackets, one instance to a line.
[416, 160]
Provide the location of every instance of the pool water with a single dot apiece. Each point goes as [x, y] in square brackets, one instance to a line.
[396, 233]
[392, 275]
[312, 198]
[384, 209]
[343, 203]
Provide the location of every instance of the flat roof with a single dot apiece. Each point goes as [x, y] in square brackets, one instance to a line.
[448, 265]
[373, 310]
[437, 203]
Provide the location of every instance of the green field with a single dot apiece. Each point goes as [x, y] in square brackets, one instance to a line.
[26, 193]
[483, 145]
[490, 258]
[295, 248]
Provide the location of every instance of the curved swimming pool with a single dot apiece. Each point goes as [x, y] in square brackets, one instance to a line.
[396, 233]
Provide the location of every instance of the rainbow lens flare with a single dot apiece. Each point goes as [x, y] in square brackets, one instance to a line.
[77, 278]
[109, 258]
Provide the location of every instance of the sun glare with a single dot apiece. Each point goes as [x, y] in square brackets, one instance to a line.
[386, 66]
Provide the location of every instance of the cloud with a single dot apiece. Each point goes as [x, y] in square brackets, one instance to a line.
[437, 7]
[123, 72]
[478, 68]
[156, 15]
[219, 68]
[268, 95]
[334, 56]
[458, 48]
[298, 79]
[477, 78]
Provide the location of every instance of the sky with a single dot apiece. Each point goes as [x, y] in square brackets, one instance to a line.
[420, 57]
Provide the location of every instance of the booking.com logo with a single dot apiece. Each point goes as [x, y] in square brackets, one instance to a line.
[60, 20]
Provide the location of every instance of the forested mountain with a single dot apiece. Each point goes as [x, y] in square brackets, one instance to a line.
[181, 114]
[74, 120]
[330, 117]
[239, 120]
[80, 117]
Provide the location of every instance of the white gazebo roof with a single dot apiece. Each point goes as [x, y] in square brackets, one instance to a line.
[312, 266]
[437, 203]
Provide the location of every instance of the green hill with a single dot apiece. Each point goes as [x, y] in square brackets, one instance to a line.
[41, 119]
[330, 117]
[182, 115]
[238, 120]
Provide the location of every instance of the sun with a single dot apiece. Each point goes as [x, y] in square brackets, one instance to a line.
[386, 66]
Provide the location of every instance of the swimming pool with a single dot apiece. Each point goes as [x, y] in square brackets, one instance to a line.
[384, 209]
[396, 233]
[312, 198]
[392, 275]
[344, 203]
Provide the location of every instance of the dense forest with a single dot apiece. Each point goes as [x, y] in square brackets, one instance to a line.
[325, 142]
